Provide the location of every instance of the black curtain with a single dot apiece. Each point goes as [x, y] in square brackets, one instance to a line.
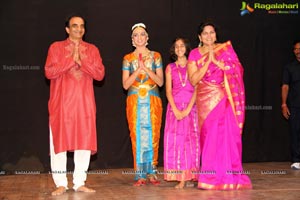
[262, 41]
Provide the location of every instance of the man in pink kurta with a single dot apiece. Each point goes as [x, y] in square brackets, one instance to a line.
[71, 66]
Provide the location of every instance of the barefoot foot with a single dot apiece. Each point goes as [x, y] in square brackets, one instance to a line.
[140, 182]
[180, 185]
[85, 189]
[153, 180]
[189, 184]
[59, 191]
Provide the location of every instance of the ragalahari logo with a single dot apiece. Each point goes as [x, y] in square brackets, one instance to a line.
[246, 9]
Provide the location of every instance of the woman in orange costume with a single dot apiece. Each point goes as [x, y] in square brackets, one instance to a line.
[142, 74]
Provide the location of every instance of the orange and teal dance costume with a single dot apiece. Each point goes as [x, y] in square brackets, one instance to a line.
[144, 114]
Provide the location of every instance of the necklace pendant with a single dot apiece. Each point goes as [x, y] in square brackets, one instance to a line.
[183, 83]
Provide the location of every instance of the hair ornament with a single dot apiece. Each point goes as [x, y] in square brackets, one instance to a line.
[138, 25]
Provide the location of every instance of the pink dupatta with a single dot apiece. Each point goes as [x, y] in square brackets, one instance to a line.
[233, 79]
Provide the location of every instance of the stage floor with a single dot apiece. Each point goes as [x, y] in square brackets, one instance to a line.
[271, 180]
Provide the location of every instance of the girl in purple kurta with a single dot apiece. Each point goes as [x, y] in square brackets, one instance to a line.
[181, 137]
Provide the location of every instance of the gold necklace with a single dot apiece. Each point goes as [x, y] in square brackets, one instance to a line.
[183, 83]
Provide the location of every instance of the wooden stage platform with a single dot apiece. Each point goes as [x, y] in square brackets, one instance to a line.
[272, 180]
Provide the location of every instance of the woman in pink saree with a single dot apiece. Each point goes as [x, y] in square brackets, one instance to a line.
[218, 74]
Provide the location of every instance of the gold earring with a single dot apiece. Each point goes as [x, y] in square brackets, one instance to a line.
[133, 43]
[200, 44]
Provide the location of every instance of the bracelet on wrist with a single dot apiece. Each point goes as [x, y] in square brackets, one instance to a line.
[283, 105]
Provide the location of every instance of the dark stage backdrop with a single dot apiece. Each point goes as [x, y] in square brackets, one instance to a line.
[262, 40]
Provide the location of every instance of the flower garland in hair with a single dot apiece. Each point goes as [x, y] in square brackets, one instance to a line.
[138, 25]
